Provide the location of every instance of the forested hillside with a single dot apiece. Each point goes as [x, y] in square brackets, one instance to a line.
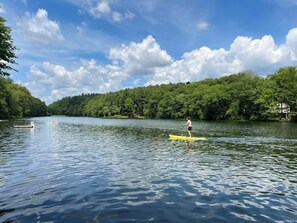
[242, 96]
[16, 101]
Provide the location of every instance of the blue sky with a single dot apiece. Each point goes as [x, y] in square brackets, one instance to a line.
[70, 47]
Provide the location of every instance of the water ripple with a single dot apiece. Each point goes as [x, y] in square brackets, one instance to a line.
[110, 171]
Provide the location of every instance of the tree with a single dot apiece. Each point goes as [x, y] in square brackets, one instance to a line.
[16, 101]
[129, 107]
[284, 85]
[7, 49]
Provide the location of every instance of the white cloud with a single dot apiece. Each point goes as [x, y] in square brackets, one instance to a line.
[260, 55]
[140, 58]
[146, 62]
[202, 26]
[291, 41]
[197, 65]
[88, 77]
[118, 17]
[103, 9]
[39, 29]
[100, 9]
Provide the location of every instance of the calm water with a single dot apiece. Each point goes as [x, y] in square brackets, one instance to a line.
[104, 170]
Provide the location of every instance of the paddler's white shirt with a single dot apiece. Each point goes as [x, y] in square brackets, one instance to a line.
[189, 123]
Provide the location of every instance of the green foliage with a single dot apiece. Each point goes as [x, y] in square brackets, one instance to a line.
[243, 96]
[7, 49]
[73, 106]
[284, 86]
[16, 101]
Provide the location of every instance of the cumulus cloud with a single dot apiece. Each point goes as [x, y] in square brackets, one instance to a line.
[291, 41]
[87, 77]
[39, 28]
[197, 65]
[263, 56]
[145, 62]
[259, 54]
[140, 58]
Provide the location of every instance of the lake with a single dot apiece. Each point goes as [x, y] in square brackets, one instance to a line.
[74, 169]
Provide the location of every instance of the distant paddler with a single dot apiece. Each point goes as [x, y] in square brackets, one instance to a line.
[189, 125]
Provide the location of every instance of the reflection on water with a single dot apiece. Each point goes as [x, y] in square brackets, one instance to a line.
[102, 170]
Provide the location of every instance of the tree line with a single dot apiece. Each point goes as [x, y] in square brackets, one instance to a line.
[242, 96]
[17, 101]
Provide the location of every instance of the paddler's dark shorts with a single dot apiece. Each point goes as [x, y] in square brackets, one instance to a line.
[189, 128]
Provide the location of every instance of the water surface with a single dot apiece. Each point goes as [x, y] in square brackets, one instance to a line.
[111, 170]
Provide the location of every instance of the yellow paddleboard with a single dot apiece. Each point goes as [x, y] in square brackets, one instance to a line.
[176, 137]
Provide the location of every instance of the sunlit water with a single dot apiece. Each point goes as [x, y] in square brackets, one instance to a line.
[105, 170]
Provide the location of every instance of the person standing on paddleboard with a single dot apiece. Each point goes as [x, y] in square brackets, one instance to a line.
[189, 124]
